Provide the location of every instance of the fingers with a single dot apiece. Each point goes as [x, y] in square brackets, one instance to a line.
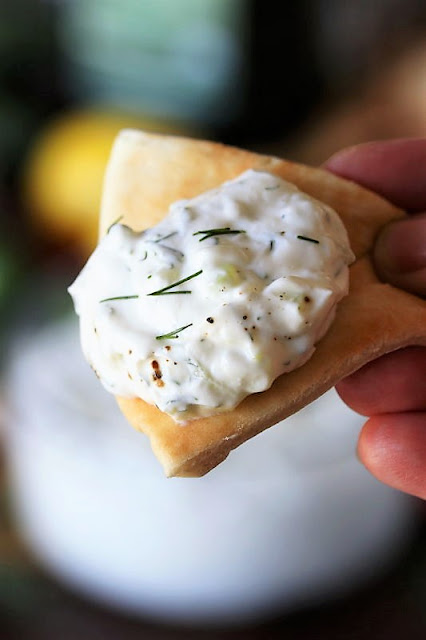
[395, 169]
[400, 254]
[395, 382]
[393, 448]
[392, 444]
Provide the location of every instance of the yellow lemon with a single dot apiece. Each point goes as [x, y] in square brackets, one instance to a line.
[64, 171]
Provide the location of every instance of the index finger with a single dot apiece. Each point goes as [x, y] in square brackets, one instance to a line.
[396, 169]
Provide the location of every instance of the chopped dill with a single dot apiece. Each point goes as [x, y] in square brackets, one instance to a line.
[209, 233]
[165, 290]
[173, 334]
[161, 238]
[132, 297]
[308, 239]
[114, 223]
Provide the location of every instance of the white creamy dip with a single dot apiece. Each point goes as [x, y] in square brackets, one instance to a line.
[230, 290]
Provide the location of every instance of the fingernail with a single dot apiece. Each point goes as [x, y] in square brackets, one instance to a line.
[401, 247]
[340, 157]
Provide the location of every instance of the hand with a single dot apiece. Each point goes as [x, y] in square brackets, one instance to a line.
[392, 389]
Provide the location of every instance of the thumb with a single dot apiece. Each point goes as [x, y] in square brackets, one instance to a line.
[400, 254]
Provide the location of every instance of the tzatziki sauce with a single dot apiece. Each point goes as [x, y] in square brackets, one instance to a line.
[230, 290]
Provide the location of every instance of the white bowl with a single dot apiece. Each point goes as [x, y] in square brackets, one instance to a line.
[289, 519]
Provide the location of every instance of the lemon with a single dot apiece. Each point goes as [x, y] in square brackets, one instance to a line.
[63, 173]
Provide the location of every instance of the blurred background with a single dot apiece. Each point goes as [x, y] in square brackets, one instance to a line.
[290, 536]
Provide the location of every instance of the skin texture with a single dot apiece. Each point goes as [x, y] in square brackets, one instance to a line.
[392, 389]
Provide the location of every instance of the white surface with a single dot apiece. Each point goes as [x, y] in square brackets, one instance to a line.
[290, 518]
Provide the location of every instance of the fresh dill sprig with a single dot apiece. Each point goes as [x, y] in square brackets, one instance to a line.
[165, 290]
[119, 298]
[209, 233]
[173, 334]
[308, 239]
[114, 223]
